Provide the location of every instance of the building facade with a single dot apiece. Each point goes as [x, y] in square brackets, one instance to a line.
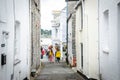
[56, 27]
[35, 34]
[71, 23]
[6, 39]
[63, 18]
[109, 44]
[21, 39]
[87, 38]
[15, 39]
[71, 39]
[59, 30]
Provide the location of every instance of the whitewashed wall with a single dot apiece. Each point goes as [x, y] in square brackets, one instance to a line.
[109, 28]
[7, 25]
[70, 55]
[89, 37]
[91, 24]
[63, 23]
[22, 16]
[78, 38]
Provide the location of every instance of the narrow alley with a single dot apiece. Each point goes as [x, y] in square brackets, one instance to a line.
[58, 71]
[59, 39]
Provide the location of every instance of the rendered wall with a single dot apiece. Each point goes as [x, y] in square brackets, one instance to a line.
[109, 47]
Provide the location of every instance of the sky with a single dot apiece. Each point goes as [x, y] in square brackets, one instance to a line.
[47, 6]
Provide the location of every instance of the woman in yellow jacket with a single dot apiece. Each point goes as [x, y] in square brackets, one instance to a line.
[58, 55]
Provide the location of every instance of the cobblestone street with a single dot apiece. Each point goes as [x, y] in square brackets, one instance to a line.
[58, 71]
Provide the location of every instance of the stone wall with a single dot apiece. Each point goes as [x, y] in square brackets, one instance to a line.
[35, 33]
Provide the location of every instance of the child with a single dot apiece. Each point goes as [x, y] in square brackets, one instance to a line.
[58, 54]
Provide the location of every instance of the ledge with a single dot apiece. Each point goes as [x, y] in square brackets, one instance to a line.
[1, 21]
[16, 61]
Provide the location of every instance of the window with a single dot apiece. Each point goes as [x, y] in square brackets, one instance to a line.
[106, 31]
[3, 10]
[17, 39]
[81, 17]
[106, 18]
[81, 44]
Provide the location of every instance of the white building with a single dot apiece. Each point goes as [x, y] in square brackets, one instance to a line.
[15, 39]
[56, 27]
[22, 38]
[45, 42]
[63, 18]
[70, 57]
[71, 38]
[87, 38]
[109, 36]
[71, 23]
[6, 39]
[59, 29]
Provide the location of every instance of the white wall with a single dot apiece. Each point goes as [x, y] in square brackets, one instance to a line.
[78, 38]
[46, 41]
[89, 37]
[91, 32]
[63, 23]
[118, 35]
[63, 18]
[22, 15]
[7, 24]
[70, 55]
[109, 40]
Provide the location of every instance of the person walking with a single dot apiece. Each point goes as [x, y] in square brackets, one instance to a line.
[58, 55]
[51, 54]
[42, 52]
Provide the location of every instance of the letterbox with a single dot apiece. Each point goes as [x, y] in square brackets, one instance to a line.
[3, 59]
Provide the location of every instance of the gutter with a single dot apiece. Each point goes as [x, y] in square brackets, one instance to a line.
[70, 15]
[77, 5]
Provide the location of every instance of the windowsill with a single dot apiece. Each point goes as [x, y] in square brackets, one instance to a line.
[16, 61]
[106, 50]
[2, 21]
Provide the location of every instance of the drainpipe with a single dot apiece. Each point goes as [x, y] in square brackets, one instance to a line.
[12, 76]
[99, 74]
[67, 33]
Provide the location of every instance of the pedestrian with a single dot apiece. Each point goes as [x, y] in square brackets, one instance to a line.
[66, 54]
[58, 54]
[42, 52]
[51, 54]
